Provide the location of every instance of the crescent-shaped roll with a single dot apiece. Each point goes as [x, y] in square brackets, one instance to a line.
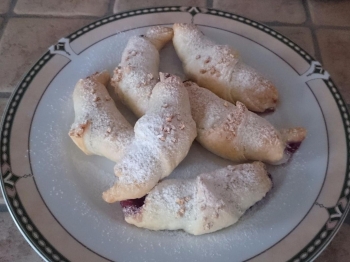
[219, 121]
[137, 73]
[202, 205]
[220, 69]
[235, 133]
[163, 137]
[99, 128]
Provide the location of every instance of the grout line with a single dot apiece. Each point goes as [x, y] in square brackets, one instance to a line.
[5, 94]
[110, 8]
[55, 16]
[11, 11]
[12, 14]
[283, 24]
[2, 26]
[335, 27]
[317, 49]
[6, 17]
[312, 26]
[307, 12]
[313, 29]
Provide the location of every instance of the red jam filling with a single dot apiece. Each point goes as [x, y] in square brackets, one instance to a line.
[132, 205]
[293, 146]
[269, 110]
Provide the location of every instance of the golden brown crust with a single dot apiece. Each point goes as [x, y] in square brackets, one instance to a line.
[208, 203]
[159, 35]
[294, 135]
[77, 135]
[137, 74]
[233, 132]
[163, 137]
[99, 128]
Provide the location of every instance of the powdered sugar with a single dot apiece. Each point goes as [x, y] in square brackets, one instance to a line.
[245, 77]
[163, 137]
[206, 204]
[137, 74]
[175, 198]
[232, 131]
[102, 228]
[220, 69]
[99, 128]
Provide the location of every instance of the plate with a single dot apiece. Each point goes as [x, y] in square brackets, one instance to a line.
[53, 190]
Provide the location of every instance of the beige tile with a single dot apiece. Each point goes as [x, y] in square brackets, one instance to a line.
[4, 6]
[13, 246]
[25, 40]
[335, 52]
[338, 250]
[62, 7]
[285, 11]
[330, 12]
[123, 5]
[299, 35]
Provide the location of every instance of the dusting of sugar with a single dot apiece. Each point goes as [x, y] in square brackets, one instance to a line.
[205, 204]
[163, 137]
[109, 132]
[245, 77]
[251, 136]
[220, 69]
[137, 74]
[138, 243]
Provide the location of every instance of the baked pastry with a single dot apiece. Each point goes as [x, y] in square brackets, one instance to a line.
[235, 133]
[137, 73]
[202, 205]
[163, 137]
[99, 128]
[216, 119]
[220, 69]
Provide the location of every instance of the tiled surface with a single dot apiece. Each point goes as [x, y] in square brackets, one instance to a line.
[336, 12]
[285, 11]
[300, 35]
[335, 51]
[4, 6]
[13, 246]
[123, 5]
[25, 34]
[62, 7]
[25, 40]
[338, 250]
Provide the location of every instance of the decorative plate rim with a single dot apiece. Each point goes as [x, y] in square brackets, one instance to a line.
[22, 220]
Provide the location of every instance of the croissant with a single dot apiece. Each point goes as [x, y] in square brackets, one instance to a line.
[99, 128]
[137, 73]
[202, 205]
[163, 137]
[235, 133]
[220, 69]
